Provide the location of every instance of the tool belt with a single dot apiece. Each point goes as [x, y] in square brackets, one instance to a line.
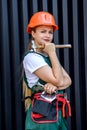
[44, 111]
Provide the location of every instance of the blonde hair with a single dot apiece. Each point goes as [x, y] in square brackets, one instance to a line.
[26, 94]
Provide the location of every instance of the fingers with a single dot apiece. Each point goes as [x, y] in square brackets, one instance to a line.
[49, 48]
[49, 88]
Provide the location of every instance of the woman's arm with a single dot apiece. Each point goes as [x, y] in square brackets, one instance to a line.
[55, 75]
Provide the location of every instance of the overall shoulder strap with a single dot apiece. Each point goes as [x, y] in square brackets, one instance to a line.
[46, 58]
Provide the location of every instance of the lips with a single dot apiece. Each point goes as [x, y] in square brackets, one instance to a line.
[47, 40]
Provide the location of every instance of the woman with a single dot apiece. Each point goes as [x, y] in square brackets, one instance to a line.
[47, 75]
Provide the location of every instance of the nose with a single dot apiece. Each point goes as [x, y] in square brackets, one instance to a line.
[47, 34]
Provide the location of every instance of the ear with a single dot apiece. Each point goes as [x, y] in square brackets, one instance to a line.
[33, 33]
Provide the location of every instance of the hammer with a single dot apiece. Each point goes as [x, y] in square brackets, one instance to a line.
[58, 46]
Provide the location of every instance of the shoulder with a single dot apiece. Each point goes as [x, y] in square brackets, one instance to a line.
[33, 56]
[34, 59]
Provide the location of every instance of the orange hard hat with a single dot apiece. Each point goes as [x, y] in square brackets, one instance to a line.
[41, 18]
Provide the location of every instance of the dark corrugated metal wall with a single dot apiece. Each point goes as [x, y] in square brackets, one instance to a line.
[71, 16]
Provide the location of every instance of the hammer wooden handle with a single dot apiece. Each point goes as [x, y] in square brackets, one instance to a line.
[63, 46]
[57, 46]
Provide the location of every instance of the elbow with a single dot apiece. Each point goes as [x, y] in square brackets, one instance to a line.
[64, 82]
[59, 83]
[70, 81]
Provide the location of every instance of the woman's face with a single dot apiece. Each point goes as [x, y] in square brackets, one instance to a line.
[43, 34]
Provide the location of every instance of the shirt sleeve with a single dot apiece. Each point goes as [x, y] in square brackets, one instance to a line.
[33, 61]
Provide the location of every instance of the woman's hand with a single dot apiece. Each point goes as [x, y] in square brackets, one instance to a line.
[49, 48]
[50, 88]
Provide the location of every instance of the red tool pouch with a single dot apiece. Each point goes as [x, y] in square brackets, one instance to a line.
[44, 111]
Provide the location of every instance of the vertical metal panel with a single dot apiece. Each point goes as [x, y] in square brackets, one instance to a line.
[15, 64]
[35, 6]
[85, 59]
[76, 66]
[66, 41]
[23, 21]
[5, 69]
[44, 4]
[55, 13]
[0, 104]
[71, 16]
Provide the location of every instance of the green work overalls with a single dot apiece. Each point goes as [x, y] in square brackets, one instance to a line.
[59, 125]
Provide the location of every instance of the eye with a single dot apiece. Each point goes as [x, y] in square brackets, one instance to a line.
[43, 31]
[51, 32]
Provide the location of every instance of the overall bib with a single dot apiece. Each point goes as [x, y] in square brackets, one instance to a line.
[60, 124]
